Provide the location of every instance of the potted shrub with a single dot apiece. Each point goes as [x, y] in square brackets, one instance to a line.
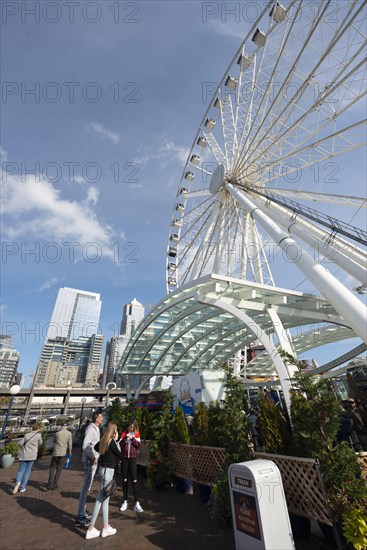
[232, 433]
[160, 468]
[9, 452]
[180, 434]
[43, 449]
[315, 413]
[355, 527]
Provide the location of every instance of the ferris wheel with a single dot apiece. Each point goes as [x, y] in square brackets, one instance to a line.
[290, 101]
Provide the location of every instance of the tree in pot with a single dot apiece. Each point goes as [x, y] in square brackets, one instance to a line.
[180, 434]
[9, 452]
[160, 468]
[315, 413]
[233, 436]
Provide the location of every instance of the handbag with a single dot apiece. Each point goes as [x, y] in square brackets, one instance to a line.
[110, 488]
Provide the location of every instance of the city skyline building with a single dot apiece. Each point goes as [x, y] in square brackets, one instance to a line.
[74, 363]
[6, 341]
[133, 314]
[72, 352]
[76, 313]
[9, 361]
[114, 349]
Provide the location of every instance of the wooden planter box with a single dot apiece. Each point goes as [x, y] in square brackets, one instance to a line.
[302, 480]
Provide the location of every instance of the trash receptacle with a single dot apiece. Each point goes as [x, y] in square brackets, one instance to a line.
[259, 509]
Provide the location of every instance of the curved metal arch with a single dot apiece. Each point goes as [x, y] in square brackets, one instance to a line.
[158, 310]
[228, 346]
[279, 365]
[238, 339]
[208, 346]
[166, 328]
[187, 329]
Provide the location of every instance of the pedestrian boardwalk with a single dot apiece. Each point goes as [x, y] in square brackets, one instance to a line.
[44, 520]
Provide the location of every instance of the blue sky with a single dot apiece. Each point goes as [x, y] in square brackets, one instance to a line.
[118, 96]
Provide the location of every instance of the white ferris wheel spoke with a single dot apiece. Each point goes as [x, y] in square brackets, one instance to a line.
[360, 202]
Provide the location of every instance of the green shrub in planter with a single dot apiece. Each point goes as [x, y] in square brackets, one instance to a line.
[233, 436]
[315, 413]
[160, 468]
[10, 448]
[180, 431]
[355, 527]
[273, 427]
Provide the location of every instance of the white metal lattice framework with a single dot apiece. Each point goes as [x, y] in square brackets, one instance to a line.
[202, 324]
[292, 98]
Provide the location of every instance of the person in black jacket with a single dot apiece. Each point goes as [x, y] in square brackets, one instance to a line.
[129, 444]
[109, 455]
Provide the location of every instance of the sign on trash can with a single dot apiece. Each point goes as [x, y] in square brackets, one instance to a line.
[259, 509]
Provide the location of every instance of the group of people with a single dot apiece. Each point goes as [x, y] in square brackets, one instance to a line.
[107, 452]
[104, 453]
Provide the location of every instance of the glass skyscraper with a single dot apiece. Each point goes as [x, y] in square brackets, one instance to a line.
[76, 313]
[132, 316]
[72, 352]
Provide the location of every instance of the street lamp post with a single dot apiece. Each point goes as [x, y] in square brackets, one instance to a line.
[14, 390]
[83, 402]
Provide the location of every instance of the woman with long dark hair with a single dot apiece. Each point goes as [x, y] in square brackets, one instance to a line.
[109, 455]
[130, 443]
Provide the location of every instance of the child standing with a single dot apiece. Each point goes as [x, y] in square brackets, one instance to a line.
[129, 444]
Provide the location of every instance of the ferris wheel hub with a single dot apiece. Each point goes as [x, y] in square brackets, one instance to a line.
[217, 179]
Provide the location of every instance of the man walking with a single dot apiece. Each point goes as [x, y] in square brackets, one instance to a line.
[63, 446]
[90, 459]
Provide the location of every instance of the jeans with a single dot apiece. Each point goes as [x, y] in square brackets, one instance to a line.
[56, 466]
[106, 475]
[129, 467]
[25, 467]
[89, 472]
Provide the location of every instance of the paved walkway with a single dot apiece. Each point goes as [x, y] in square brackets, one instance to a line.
[44, 520]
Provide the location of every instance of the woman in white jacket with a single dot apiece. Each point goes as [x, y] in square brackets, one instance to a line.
[27, 455]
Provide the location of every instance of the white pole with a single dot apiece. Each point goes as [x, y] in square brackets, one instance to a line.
[344, 302]
[314, 236]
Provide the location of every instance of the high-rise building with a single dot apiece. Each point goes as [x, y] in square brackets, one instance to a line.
[72, 352]
[67, 362]
[9, 360]
[114, 349]
[132, 316]
[76, 313]
[6, 341]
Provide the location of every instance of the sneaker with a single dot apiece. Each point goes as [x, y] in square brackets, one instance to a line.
[108, 531]
[123, 506]
[92, 533]
[138, 508]
[22, 490]
[87, 515]
[15, 490]
[82, 522]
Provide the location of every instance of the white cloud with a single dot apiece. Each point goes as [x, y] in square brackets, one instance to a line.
[49, 283]
[166, 153]
[104, 132]
[92, 195]
[79, 179]
[35, 209]
[2, 309]
[228, 28]
[3, 155]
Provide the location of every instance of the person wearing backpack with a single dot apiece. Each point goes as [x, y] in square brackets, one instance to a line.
[27, 455]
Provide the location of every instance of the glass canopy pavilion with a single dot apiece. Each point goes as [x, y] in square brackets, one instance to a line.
[202, 324]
